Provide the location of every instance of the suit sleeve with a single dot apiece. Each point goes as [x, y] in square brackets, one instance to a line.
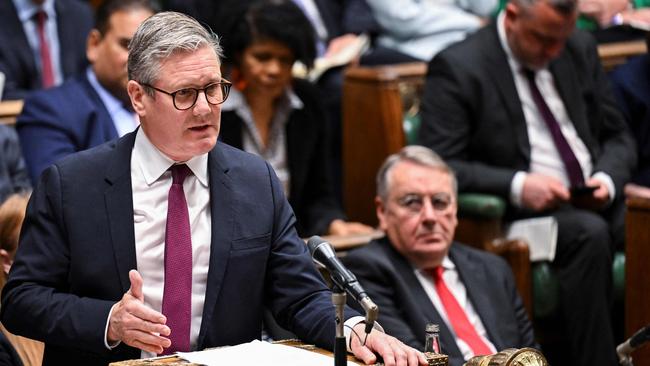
[42, 134]
[526, 334]
[618, 150]
[297, 295]
[376, 278]
[37, 301]
[320, 205]
[450, 105]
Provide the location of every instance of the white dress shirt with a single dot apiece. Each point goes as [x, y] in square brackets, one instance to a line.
[544, 156]
[150, 181]
[457, 288]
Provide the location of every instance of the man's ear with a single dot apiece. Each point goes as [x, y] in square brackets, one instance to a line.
[137, 96]
[5, 260]
[92, 45]
[380, 209]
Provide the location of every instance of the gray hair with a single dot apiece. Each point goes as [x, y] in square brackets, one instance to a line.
[162, 35]
[563, 6]
[419, 155]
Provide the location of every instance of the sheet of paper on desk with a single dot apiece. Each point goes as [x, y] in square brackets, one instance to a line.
[258, 353]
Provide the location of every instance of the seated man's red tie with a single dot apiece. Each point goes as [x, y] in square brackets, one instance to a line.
[457, 317]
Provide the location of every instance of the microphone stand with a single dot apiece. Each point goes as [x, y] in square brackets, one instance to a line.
[340, 348]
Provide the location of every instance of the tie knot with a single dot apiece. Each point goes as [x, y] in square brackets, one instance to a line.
[529, 74]
[40, 16]
[179, 173]
[436, 273]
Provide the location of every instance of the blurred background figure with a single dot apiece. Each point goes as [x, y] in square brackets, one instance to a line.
[93, 107]
[631, 86]
[282, 119]
[29, 352]
[13, 172]
[422, 28]
[42, 43]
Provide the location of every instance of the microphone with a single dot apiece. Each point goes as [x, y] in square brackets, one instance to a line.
[624, 349]
[323, 254]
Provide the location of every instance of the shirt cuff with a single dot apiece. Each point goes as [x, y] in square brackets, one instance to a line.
[350, 323]
[609, 183]
[109, 346]
[517, 188]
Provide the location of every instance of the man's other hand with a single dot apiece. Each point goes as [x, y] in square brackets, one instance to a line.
[542, 192]
[135, 324]
[394, 352]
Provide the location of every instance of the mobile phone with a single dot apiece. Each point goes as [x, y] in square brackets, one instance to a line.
[582, 191]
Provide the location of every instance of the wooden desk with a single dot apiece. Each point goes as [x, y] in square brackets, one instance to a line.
[617, 53]
[637, 283]
[9, 110]
[174, 361]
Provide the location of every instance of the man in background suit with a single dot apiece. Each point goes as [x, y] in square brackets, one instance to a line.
[66, 26]
[416, 207]
[93, 107]
[522, 109]
[167, 240]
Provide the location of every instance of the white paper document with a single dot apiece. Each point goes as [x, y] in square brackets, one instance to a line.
[258, 353]
[540, 233]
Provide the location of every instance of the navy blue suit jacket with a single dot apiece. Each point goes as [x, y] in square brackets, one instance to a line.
[405, 308]
[77, 247]
[60, 121]
[74, 22]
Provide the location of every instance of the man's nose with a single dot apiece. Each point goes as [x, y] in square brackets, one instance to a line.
[428, 212]
[201, 106]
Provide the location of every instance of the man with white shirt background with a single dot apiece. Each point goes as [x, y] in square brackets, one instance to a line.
[417, 274]
[93, 107]
[522, 109]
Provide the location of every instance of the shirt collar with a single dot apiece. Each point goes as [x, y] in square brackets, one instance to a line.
[158, 163]
[111, 103]
[26, 9]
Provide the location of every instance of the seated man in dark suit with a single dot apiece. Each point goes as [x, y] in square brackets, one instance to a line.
[522, 109]
[34, 32]
[165, 239]
[416, 207]
[93, 107]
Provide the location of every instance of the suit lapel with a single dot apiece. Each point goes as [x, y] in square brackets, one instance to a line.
[423, 302]
[118, 199]
[504, 81]
[15, 36]
[566, 82]
[222, 209]
[474, 278]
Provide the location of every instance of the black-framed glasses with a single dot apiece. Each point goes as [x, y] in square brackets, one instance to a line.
[184, 99]
[414, 203]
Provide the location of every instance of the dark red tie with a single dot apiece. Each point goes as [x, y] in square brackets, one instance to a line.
[571, 163]
[47, 73]
[177, 296]
[457, 317]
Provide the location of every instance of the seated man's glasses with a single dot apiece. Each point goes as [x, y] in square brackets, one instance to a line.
[414, 203]
[215, 93]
